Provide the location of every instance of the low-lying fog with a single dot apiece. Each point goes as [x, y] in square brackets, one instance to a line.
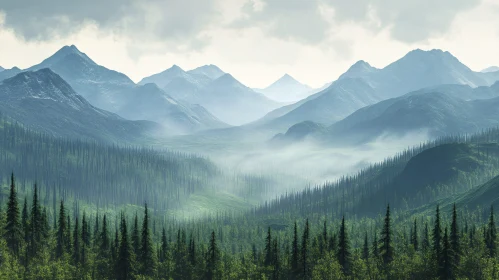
[306, 161]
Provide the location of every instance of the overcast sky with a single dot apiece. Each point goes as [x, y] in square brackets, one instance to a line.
[255, 40]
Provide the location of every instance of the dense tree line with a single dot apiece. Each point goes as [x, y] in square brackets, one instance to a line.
[110, 175]
[396, 179]
[447, 246]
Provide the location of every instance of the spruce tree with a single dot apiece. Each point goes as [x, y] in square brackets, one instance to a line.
[295, 254]
[454, 239]
[276, 262]
[96, 234]
[85, 232]
[491, 240]
[61, 232]
[414, 236]
[68, 236]
[147, 256]
[125, 264]
[76, 243]
[344, 254]
[213, 258]
[268, 248]
[135, 238]
[164, 247]
[426, 238]
[386, 249]
[36, 223]
[305, 254]
[25, 221]
[446, 268]
[104, 243]
[13, 231]
[437, 239]
[365, 249]
[375, 246]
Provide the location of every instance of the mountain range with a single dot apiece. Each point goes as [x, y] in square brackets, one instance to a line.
[490, 69]
[43, 101]
[115, 92]
[220, 93]
[1, 69]
[435, 111]
[286, 89]
[362, 85]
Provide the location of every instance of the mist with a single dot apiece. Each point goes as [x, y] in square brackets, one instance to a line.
[308, 163]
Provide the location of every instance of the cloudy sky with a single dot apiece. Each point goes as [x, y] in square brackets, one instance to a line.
[255, 40]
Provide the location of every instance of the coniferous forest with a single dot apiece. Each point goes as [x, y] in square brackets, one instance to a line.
[360, 171]
[430, 227]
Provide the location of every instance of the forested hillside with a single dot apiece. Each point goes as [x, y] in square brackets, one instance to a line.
[111, 176]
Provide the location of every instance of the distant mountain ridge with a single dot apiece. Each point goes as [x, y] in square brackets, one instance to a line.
[1, 69]
[115, 92]
[43, 101]
[286, 89]
[436, 111]
[490, 69]
[417, 69]
[219, 92]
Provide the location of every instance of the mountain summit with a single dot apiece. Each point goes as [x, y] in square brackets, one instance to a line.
[44, 101]
[286, 89]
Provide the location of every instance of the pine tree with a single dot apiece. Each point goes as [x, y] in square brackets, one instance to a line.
[147, 257]
[125, 264]
[454, 239]
[36, 223]
[344, 254]
[276, 262]
[386, 249]
[68, 241]
[96, 230]
[323, 239]
[295, 254]
[61, 232]
[426, 238]
[268, 249]
[164, 247]
[25, 221]
[437, 239]
[13, 231]
[213, 257]
[76, 243]
[375, 246]
[135, 238]
[446, 269]
[491, 240]
[365, 249]
[104, 243]
[85, 232]
[305, 254]
[414, 236]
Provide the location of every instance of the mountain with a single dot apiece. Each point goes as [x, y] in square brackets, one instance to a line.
[163, 78]
[233, 102]
[332, 104]
[490, 69]
[434, 112]
[286, 89]
[1, 69]
[148, 102]
[220, 93]
[43, 101]
[363, 85]
[437, 111]
[211, 71]
[115, 92]
[8, 73]
[418, 69]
